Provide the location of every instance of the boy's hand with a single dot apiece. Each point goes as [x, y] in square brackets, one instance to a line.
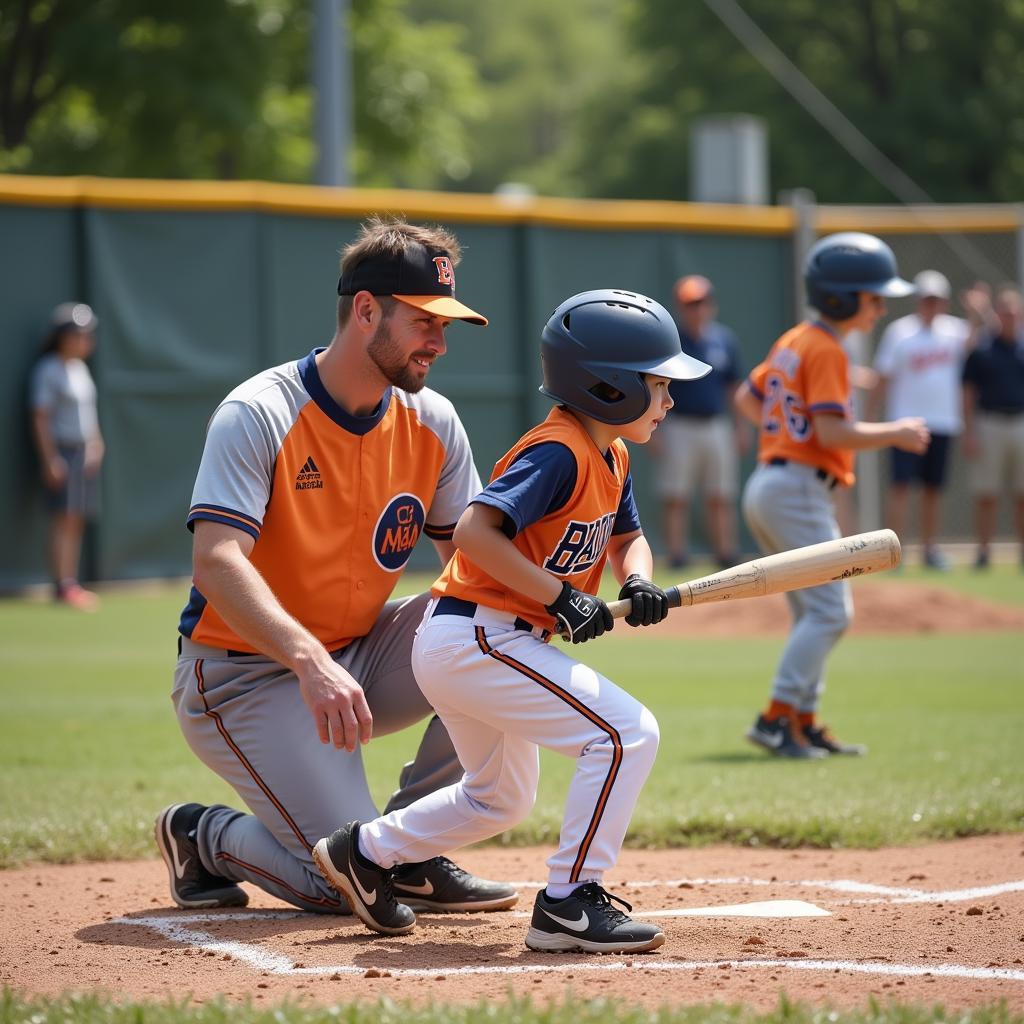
[582, 616]
[650, 602]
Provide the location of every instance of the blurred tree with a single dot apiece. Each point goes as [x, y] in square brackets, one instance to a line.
[220, 89]
[540, 63]
[935, 86]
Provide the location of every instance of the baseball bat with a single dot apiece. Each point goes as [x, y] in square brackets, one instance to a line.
[810, 566]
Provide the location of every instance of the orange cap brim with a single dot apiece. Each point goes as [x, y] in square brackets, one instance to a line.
[445, 306]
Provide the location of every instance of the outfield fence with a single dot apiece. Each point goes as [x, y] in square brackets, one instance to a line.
[200, 284]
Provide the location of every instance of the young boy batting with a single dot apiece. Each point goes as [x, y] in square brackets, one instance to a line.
[531, 548]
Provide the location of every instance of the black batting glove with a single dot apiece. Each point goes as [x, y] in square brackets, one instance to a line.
[650, 602]
[582, 616]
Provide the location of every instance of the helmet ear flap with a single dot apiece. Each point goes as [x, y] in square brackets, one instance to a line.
[835, 305]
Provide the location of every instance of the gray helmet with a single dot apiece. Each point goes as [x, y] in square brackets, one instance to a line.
[597, 346]
[841, 266]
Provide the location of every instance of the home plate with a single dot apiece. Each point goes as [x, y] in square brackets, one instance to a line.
[766, 908]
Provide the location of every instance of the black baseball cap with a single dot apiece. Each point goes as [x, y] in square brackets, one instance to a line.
[419, 277]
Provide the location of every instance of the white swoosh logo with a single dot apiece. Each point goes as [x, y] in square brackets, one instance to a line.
[422, 890]
[580, 925]
[369, 898]
[179, 865]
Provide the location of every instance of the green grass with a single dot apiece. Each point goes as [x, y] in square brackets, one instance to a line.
[90, 749]
[93, 1009]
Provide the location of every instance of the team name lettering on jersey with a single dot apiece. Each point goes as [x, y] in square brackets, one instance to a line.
[582, 544]
[398, 529]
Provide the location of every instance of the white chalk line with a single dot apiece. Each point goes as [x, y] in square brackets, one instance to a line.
[774, 909]
[176, 929]
[886, 893]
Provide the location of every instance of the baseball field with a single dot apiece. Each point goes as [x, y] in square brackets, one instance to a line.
[889, 887]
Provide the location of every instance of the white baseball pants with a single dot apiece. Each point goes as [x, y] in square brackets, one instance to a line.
[502, 692]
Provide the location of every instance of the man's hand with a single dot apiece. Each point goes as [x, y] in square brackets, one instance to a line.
[582, 616]
[337, 703]
[650, 602]
[55, 472]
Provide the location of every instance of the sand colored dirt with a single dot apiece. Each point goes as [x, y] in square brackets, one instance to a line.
[878, 608]
[84, 927]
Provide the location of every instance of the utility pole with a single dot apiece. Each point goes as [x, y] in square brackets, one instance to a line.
[332, 90]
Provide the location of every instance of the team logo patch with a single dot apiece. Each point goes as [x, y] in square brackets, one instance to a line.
[582, 544]
[445, 271]
[397, 530]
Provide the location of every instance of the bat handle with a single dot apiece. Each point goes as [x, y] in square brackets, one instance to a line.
[620, 609]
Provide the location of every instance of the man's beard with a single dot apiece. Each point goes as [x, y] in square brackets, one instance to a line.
[392, 362]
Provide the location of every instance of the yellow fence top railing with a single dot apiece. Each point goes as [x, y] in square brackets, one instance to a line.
[315, 200]
[596, 214]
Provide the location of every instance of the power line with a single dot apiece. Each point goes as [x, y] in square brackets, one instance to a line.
[760, 46]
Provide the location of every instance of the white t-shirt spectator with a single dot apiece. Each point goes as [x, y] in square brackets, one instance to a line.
[922, 365]
[64, 389]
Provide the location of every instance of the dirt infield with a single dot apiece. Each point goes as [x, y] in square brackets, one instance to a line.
[942, 923]
[879, 608]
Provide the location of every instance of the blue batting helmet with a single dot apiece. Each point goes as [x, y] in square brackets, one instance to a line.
[597, 346]
[841, 266]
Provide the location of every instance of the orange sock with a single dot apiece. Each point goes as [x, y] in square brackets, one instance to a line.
[779, 709]
[805, 719]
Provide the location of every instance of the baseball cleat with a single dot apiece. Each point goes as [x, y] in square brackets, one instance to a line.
[440, 886]
[780, 738]
[586, 921]
[192, 886]
[820, 736]
[367, 886]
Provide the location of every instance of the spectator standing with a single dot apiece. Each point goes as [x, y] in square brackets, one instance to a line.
[993, 407]
[699, 442]
[919, 362]
[66, 431]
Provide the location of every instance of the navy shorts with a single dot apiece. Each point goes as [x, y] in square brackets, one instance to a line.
[79, 494]
[929, 468]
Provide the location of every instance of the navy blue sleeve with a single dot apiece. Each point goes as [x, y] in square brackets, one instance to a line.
[540, 481]
[627, 519]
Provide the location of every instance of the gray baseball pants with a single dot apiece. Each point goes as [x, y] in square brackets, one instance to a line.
[244, 718]
[788, 507]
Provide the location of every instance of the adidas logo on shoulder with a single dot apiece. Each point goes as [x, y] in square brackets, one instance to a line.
[309, 477]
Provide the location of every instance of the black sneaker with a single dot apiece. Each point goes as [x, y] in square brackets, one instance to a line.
[819, 736]
[444, 887]
[587, 921]
[192, 886]
[366, 886]
[779, 737]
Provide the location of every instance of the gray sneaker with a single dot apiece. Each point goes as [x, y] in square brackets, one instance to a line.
[440, 886]
[366, 886]
[779, 737]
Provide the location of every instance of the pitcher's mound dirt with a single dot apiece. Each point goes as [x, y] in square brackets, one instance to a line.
[878, 608]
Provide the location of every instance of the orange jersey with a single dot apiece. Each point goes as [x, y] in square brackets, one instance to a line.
[571, 541]
[805, 373]
[335, 502]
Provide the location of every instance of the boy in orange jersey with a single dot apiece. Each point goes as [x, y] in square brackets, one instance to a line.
[530, 552]
[799, 398]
